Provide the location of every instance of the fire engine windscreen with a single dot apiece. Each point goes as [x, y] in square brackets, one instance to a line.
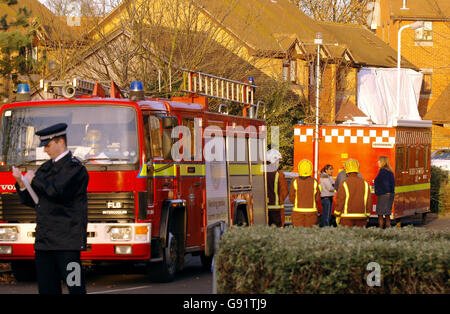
[96, 134]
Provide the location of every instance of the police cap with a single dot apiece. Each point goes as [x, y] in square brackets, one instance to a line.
[47, 134]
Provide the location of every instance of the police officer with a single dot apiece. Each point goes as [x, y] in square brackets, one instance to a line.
[277, 188]
[61, 213]
[305, 195]
[353, 200]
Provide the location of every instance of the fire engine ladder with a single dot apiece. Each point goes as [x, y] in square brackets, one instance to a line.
[77, 87]
[204, 84]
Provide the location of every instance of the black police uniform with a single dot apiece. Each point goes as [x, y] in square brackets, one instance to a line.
[61, 218]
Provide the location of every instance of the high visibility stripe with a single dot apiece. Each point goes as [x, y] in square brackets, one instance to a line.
[354, 215]
[295, 188]
[239, 170]
[305, 210]
[412, 187]
[366, 194]
[163, 170]
[275, 188]
[315, 192]
[143, 171]
[346, 197]
[257, 170]
[275, 206]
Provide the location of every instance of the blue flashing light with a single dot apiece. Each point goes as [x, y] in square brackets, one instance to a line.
[251, 80]
[23, 88]
[136, 86]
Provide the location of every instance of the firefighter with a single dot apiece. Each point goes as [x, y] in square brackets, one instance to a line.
[342, 175]
[305, 195]
[353, 200]
[277, 188]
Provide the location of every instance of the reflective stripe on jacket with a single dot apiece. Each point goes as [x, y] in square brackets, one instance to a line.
[304, 194]
[277, 190]
[353, 199]
[276, 204]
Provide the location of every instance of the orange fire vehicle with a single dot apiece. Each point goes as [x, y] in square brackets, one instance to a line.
[143, 205]
[407, 145]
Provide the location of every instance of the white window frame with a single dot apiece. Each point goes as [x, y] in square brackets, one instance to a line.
[424, 34]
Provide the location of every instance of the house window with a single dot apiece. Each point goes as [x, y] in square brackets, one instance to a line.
[290, 71]
[426, 84]
[424, 33]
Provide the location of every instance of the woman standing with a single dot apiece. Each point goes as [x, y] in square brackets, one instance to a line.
[384, 189]
[327, 193]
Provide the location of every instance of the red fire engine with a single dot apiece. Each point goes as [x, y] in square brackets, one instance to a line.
[407, 145]
[143, 206]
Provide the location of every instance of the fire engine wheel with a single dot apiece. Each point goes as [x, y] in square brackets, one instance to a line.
[23, 270]
[165, 271]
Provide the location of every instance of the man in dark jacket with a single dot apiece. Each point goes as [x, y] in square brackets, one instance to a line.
[60, 185]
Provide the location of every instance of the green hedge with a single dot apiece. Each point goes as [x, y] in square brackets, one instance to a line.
[265, 259]
[439, 182]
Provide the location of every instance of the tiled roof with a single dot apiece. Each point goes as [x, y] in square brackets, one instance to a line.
[271, 26]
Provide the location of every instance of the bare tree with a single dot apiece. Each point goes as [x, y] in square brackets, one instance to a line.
[81, 7]
[338, 11]
[154, 40]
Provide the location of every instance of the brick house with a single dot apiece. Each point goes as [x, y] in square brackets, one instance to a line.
[54, 39]
[428, 49]
[277, 39]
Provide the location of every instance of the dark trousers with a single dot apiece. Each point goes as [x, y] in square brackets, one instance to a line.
[327, 204]
[275, 217]
[54, 266]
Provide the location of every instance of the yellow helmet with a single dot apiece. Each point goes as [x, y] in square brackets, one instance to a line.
[352, 165]
[305, 168]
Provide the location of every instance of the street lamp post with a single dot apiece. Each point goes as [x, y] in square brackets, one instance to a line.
[413, 26]
[318, 41]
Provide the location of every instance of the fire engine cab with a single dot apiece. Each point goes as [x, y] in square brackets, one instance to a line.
[167, 176]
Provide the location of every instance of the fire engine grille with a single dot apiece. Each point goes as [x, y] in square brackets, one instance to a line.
[102, 207]
[111, 207]
[12, 210]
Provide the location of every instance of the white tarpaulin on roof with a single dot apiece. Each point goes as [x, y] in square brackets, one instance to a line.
[377, 94]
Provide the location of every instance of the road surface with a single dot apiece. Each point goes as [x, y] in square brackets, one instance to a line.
[127, 280]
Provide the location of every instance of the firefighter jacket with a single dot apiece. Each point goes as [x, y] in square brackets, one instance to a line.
[61, 215]
[353, 198]
[277, 189]
[304, 194]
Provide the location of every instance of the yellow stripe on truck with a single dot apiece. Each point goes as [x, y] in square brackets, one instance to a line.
[412, 187]
[164, 170]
